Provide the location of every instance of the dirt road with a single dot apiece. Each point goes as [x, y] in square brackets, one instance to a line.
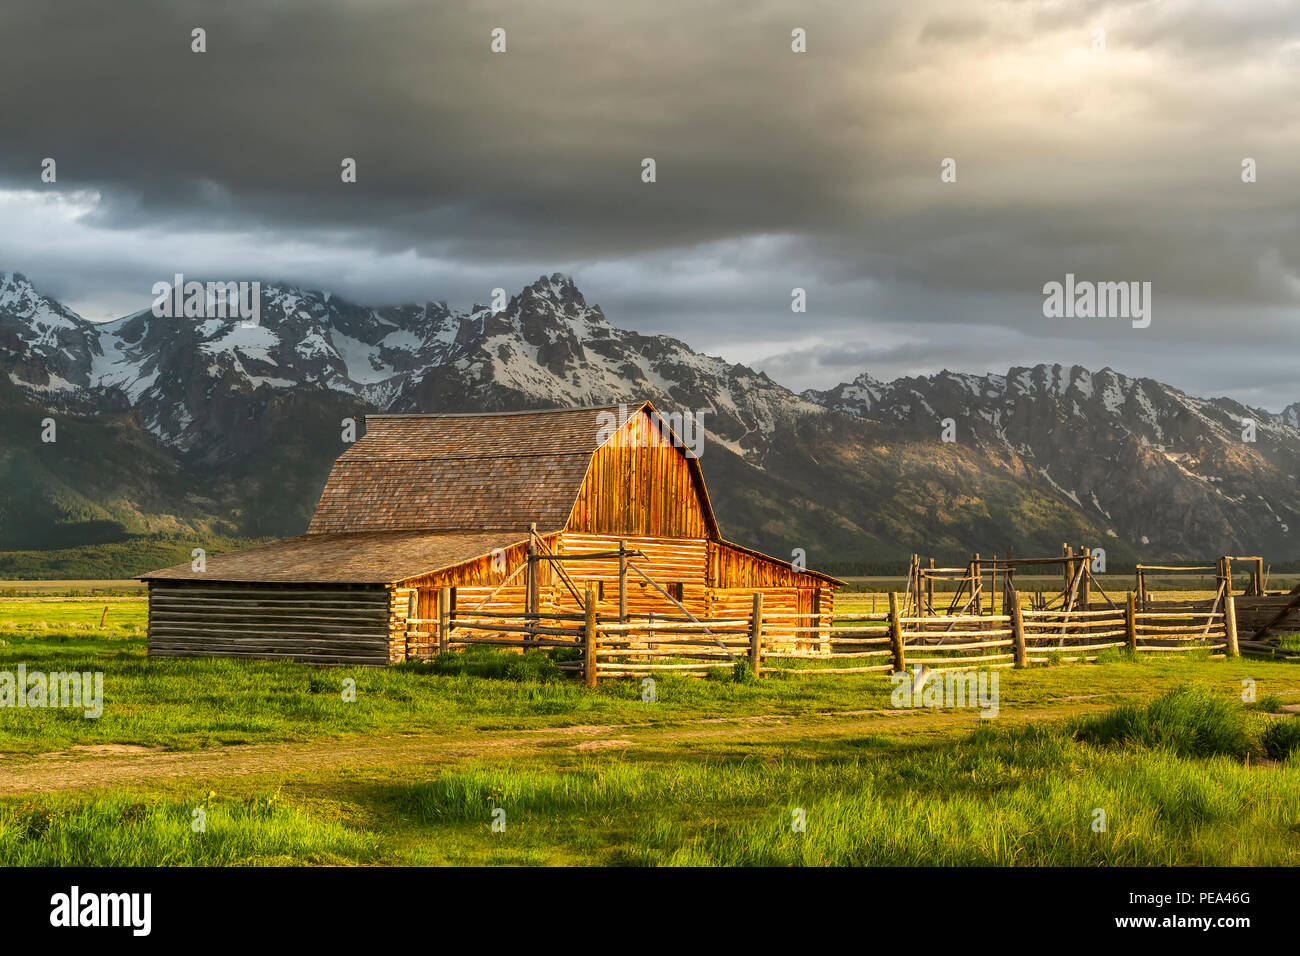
[109, 765]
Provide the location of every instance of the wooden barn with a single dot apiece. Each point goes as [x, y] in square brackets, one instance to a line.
[513, 512]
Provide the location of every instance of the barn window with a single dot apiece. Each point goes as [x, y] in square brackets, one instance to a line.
[677, 590]
[600, 590]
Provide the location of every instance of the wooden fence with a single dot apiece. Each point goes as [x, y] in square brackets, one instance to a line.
[845, 643]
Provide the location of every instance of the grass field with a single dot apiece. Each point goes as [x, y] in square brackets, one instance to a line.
[712, 772]
[72, 588]
[111, 616]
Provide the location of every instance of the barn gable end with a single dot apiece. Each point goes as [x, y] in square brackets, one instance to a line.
[640, 481]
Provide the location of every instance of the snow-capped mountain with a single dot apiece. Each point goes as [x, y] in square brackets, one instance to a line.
[46, 346]
[195, 424]
[547, 347]
[1143, 460]
[1140, 405]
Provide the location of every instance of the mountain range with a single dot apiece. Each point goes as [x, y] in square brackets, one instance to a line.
[205, 429]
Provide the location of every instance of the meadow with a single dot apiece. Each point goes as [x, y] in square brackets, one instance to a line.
[806, 770]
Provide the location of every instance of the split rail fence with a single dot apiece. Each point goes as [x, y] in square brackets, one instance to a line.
[844, 643]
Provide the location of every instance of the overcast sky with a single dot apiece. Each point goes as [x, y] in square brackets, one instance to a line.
[775, 169]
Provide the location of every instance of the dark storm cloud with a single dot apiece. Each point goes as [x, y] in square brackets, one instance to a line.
[775, 169]
[452, 142]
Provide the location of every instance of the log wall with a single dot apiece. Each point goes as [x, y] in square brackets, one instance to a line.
[315, 624]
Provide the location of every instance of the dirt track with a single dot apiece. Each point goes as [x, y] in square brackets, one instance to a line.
[107, 766]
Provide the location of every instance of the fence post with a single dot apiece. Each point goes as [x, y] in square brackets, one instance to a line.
[589, 639]
[1130, 622]
[756, 635]
[622, 582]
[1011, 600]
[1085, 586]
[1067, 565]
[896, 632]
[929, 591]
[444, 620]
[911, 582]
[1230, 623]
[993, 591]
[530, 587]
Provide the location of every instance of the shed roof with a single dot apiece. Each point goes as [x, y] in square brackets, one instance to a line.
[382, 557]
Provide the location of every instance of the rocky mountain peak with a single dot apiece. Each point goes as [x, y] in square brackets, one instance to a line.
[43, 344]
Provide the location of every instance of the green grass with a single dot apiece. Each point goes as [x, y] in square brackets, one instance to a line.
[1026, 797]
[1020, 795]
[42, 616]
[1281, 739]
[120, 831]
[1189, 721]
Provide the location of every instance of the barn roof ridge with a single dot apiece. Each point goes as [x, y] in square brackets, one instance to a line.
[476, 457]
[522, 411]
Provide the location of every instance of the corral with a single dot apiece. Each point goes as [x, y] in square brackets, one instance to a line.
[979, 628]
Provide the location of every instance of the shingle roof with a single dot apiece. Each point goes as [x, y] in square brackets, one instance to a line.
[483, 472]
[365, 558]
